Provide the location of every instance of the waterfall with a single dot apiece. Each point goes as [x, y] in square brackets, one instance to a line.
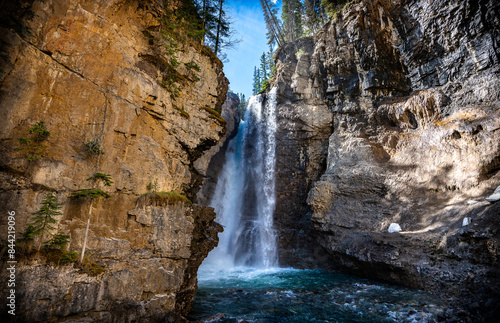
[244, 198]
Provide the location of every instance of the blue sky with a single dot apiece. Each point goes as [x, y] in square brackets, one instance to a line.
[251, 27]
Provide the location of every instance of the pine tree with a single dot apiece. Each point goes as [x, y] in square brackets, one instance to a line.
[315, 15]
[274, 29]
[331, 7]
[292, 12]
[91, 195]
[270, 62]
[242, 105]
[208, 16]
[43, 219]
[256, 81]
[219, 35]
[264, 67]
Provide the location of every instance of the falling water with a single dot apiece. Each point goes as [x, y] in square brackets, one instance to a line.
[244, 198]
[240, 278]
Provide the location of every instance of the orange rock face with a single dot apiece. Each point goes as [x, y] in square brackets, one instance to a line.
[90, 70]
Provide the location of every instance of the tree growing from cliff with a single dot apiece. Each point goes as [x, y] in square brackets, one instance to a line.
[43, 220]
[33, 146]
[216, 26]
[292, 12]
[331, 7]
[91, 195]
[275, 33]
[265, 72]
[314, 15]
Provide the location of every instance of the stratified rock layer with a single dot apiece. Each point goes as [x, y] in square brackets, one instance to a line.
[391, 114]
[210, 164]
[91, 70]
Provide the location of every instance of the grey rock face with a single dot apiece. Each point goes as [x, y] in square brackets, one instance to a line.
[414, 96]
[210, 164]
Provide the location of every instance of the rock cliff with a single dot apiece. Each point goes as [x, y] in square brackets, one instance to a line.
[210, 164]
[391, 114]
[95, 73]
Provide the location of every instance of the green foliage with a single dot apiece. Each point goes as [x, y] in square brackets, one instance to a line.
[40, 131]
[275, 34]
[256, 85]
[214, 114]
[265, 86]
[170, 84]
[58, 241]
[292, 13]
[265, 73]
[299, 53]
[44, 217]
[68, 257]
[88, 193]
[152, 187]
[242, 106]
[333, 7]
[24, 141]
[33, 146]
[192, 66]
[91, 268]
[182, 111]
[28, 235]
[183, 23]
[103, 177]
[93, 147]
[167, 198]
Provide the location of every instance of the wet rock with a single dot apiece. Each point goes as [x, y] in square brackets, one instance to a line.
[413, 89]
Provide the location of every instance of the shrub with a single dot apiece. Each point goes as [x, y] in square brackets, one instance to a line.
[152, 186]
[91, 268]
[100, 176]
[68, 257]
[166, 198]
[182, 111]
[33, 146]
[58, 241]
[214, 114]
[94, 148]
[90, 193]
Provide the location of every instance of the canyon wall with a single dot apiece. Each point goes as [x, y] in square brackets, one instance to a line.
[391, 114]
[210, 164]
[96, 73]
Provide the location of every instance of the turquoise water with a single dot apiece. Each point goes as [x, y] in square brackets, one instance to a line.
[291, 295]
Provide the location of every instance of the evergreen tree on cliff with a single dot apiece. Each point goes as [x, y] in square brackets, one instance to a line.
[292, 12]
[274, 29]
[315, 15]
[219, 35]
[43, 219]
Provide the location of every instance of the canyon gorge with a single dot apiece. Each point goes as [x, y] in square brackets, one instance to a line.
[390, 113]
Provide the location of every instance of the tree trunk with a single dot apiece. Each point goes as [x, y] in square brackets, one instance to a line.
[204, 12]
[218, 27]
[86, 233]
[279, 31]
